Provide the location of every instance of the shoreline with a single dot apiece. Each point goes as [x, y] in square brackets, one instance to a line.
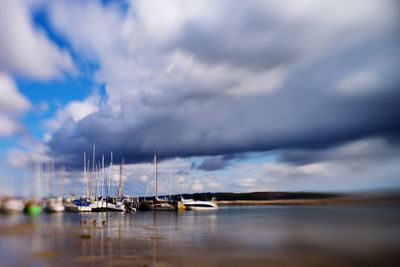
[306, 202]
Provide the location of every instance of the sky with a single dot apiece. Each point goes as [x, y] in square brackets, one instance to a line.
[237, 96]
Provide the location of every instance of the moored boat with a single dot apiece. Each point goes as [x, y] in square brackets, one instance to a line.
[54, 205]
[191, 204]
[33, 207]
[161, 206]
[78, 205]
[12, 205]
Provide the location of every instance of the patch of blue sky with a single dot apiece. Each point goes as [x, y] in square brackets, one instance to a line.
[122, 4]
[55, 94]
[86, 63]
[262, 157]
[60, 91]
[6, 143]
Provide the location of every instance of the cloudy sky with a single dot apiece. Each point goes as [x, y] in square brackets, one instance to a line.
[237, 96]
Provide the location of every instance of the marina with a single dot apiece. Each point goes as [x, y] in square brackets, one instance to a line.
[97, 200]
[199, 133]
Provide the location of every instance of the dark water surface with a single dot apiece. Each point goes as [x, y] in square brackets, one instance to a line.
[345, 235]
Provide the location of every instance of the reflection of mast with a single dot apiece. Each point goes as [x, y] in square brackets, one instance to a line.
[120, 180]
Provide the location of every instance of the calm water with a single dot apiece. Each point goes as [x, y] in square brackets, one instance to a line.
[367, 235]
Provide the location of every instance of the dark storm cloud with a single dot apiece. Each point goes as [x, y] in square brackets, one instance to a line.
[213, 164]
[339, 84]
[302, 119]
[373, 148]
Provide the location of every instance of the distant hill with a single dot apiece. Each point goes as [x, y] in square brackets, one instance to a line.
[226, 196]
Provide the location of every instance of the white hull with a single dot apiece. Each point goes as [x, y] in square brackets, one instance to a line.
[98, 206]
[201, 208]
[103, 206]
[55, 208]
[84, 209]
[74, 208]
[161, 207]
[115, 207]
[191, 204]
[13, 206]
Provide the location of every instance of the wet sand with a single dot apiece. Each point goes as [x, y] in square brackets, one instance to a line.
[200, 239]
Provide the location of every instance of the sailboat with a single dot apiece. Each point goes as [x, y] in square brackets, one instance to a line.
[100, 203]
[78, 205]
[53, 204]
[33, 206]
[117, 204]
[158, 204]
[81, 204]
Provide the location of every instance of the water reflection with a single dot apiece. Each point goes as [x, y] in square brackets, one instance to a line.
[243, 236]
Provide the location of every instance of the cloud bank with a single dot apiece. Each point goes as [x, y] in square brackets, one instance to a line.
[201, 78]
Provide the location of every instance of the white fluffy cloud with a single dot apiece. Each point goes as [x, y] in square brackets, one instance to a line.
[74, 110]
[153, 50]
[213, 78]
[25, 49]
[12, 105]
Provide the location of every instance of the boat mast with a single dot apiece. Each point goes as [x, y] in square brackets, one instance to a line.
[52, 178]
[62, 170]
[85, 174]
[37, 187]
[170, 174]
[111, 174]
[120, 180]
[156, 169]
[103, 177]
[93, 173]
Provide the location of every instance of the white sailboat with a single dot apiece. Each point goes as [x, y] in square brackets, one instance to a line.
[81, 204]
[78, 205]
[158, 204]
[53, 204]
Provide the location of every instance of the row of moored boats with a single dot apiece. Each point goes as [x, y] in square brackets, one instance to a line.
[35, 206]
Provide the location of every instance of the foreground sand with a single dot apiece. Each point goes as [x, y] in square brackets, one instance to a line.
[89, 246]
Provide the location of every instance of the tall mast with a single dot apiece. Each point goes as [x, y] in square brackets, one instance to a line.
[120, 180]
[85, 175]
[88, 173]
[102, 176]
[156, 169]
[93, 173]
[170, 174]
[52, 178]
[62, 170]
[37, 186]
[111, 174]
